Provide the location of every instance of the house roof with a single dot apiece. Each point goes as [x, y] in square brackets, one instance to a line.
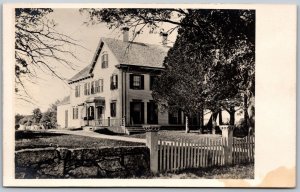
[127, 53]
[64, 101]
[135, 53]
[85, 72]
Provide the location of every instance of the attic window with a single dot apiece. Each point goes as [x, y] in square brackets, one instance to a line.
[104, 59]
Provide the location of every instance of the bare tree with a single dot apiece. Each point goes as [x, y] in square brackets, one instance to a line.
[38, 47]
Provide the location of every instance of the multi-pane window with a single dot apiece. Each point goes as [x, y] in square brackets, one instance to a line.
[114, 82]
[77, 91]
[104, 60]
[113, 109]
[87, 88]
[99, 86]
[136, 81]
[75, 113]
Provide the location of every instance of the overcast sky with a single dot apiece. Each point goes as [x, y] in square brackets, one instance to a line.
[70, 22]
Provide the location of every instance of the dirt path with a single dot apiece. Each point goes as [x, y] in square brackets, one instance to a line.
[97, 135]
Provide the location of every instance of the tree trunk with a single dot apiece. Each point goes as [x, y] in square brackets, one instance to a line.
[220, 118]
[232, 118]
[246, 115]
[187, 127]
[214, 122]
[201, 121]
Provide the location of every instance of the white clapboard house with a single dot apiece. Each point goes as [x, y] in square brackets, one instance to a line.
[115, 89]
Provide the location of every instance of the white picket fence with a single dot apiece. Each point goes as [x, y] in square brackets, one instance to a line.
[243, 150]
[207, 152]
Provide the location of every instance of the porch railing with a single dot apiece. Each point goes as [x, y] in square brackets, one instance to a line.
[108, 122]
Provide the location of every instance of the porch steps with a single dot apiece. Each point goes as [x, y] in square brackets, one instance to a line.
[132, 130]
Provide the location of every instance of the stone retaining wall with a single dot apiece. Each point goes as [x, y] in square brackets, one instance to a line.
[119, 162]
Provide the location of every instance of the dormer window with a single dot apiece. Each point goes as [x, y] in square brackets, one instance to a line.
[104, 60]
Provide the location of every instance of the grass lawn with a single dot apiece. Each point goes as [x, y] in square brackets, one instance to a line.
[40, 139]
[165, 135]
[229, 172]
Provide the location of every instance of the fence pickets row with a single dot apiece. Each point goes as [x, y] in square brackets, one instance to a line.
[206, 153]
[183, 154]
[243, 150]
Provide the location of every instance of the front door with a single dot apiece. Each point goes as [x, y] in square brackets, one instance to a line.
[66, 119]
[152, 117]
[99, 119]
[137, 112]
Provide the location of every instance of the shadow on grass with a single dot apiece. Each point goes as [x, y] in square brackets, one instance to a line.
[34, 134]
[106, 131]
[241, 171]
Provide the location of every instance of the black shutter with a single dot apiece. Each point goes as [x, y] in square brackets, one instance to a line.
[111, 83]
[111, 109]
[116, 86]
[142, 81]
[142, 113]
[131, 81]
[131, 112]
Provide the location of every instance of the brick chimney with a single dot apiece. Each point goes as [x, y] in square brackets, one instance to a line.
[125, 34]
[164, 38]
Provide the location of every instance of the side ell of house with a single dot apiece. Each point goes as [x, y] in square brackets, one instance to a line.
[116, 88]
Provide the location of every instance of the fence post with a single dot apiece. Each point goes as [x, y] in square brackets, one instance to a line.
[227, 133]
[187, 127]
[152, 144]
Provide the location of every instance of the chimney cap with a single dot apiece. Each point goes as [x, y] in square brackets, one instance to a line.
[162, 33]
[125, 28]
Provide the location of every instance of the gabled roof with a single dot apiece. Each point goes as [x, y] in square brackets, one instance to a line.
[64, 101]
[127, 53]
[135, 53]
[84, 73]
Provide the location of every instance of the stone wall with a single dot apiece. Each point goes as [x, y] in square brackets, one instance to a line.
[119, 162]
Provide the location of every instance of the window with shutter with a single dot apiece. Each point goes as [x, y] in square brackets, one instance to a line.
[101, 85]
[85, 89]
[104, 59]
[113, 109]
[97, 89]
[77, 91]
[75, 112]
[136, 81]
[114, 82]
[88, 88]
